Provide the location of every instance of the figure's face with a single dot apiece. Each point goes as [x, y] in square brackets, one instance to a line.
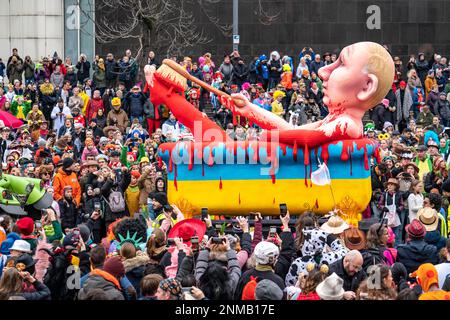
[435, 121]
[345, 81]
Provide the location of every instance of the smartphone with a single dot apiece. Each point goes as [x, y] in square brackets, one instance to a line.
[204, 213]
[186, 289]
[97, 206]
[76, 232]
[38, 225]
[283, 209]
[44, 212]
[170, 241]
[272, 231]
[168, 208]
[217, 240]
[194, 244]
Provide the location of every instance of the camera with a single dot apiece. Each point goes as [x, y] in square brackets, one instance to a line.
[217, 240]
[170, 241]
[168, 208]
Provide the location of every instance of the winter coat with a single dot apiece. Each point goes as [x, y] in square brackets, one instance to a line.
[315, 66]
[425, 119]
[57, 79]
[234, 271]
[415, 253]
[121, 118]
[99, 279]
[259, 275]
[106, 190]
[239, 74]
[15, 71]
[134, 104]
[72, 78]
[422, 70]
[99, 77]
[63, 179]
[29, 70]
[351, 283]
[378, 116]
[442, 109]
[42, 292]
[92, 108]
[111, 69]
[134, 269]
[275, 74]
[403, 108]
[226, 70]
[83, 70]
[8, 243]
[68, 213]
[432, 99]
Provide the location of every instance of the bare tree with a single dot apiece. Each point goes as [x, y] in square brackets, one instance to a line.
[165, 26]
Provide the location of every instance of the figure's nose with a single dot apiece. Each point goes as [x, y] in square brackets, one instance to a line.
[324, 72]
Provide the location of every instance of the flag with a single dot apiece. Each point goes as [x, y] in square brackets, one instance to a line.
[321, 176]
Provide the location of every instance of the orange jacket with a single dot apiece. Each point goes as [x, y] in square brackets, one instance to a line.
[286, 79]
[61, 180]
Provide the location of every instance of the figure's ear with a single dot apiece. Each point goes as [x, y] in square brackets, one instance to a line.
[369, 88]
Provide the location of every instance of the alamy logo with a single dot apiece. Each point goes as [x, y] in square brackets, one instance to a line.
[374, 277]
[374, 20]
[74, 278]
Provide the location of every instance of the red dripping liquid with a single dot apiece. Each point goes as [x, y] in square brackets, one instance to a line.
[295, 150]
[170, 162]
[160, 162]
[273, 178]
[220, 183]
[191, 156]
[325, 155]
[366, 159]
[306, 155]
[283, 148]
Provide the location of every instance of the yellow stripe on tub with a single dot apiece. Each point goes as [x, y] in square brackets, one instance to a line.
[239, 197]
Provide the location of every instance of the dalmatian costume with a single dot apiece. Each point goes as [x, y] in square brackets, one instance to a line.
[319, 248]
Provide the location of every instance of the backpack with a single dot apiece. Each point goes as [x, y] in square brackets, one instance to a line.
[116, 201]
[371, 257]
[56, 277]
[248, 292]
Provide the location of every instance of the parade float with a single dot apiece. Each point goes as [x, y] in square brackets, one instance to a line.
[321, 166]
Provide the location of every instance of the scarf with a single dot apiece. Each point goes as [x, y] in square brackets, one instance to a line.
[260, 267]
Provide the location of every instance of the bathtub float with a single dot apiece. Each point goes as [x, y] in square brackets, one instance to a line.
[236, 178]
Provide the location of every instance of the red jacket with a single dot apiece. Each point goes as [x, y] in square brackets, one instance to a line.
[92, 108]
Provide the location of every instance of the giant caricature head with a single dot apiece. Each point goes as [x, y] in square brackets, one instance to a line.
[361, 77]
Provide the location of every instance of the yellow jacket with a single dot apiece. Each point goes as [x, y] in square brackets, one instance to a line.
[429, 83]
[277, 108]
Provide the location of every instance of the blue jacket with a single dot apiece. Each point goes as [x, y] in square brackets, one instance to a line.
[415, 253]
[8, 243]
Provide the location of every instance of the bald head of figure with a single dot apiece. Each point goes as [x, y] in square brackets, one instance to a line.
[353, 262]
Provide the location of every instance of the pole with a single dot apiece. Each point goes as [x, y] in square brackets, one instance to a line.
[235, 24]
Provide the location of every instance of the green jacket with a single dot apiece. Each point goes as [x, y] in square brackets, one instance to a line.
[123, 155]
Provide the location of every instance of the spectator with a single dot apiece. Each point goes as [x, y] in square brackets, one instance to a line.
[416, 251]
[83, 66]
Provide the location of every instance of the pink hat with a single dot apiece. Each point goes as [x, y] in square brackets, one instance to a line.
[385, 102]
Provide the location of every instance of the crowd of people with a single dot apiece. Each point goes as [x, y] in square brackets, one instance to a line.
[93, 140]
